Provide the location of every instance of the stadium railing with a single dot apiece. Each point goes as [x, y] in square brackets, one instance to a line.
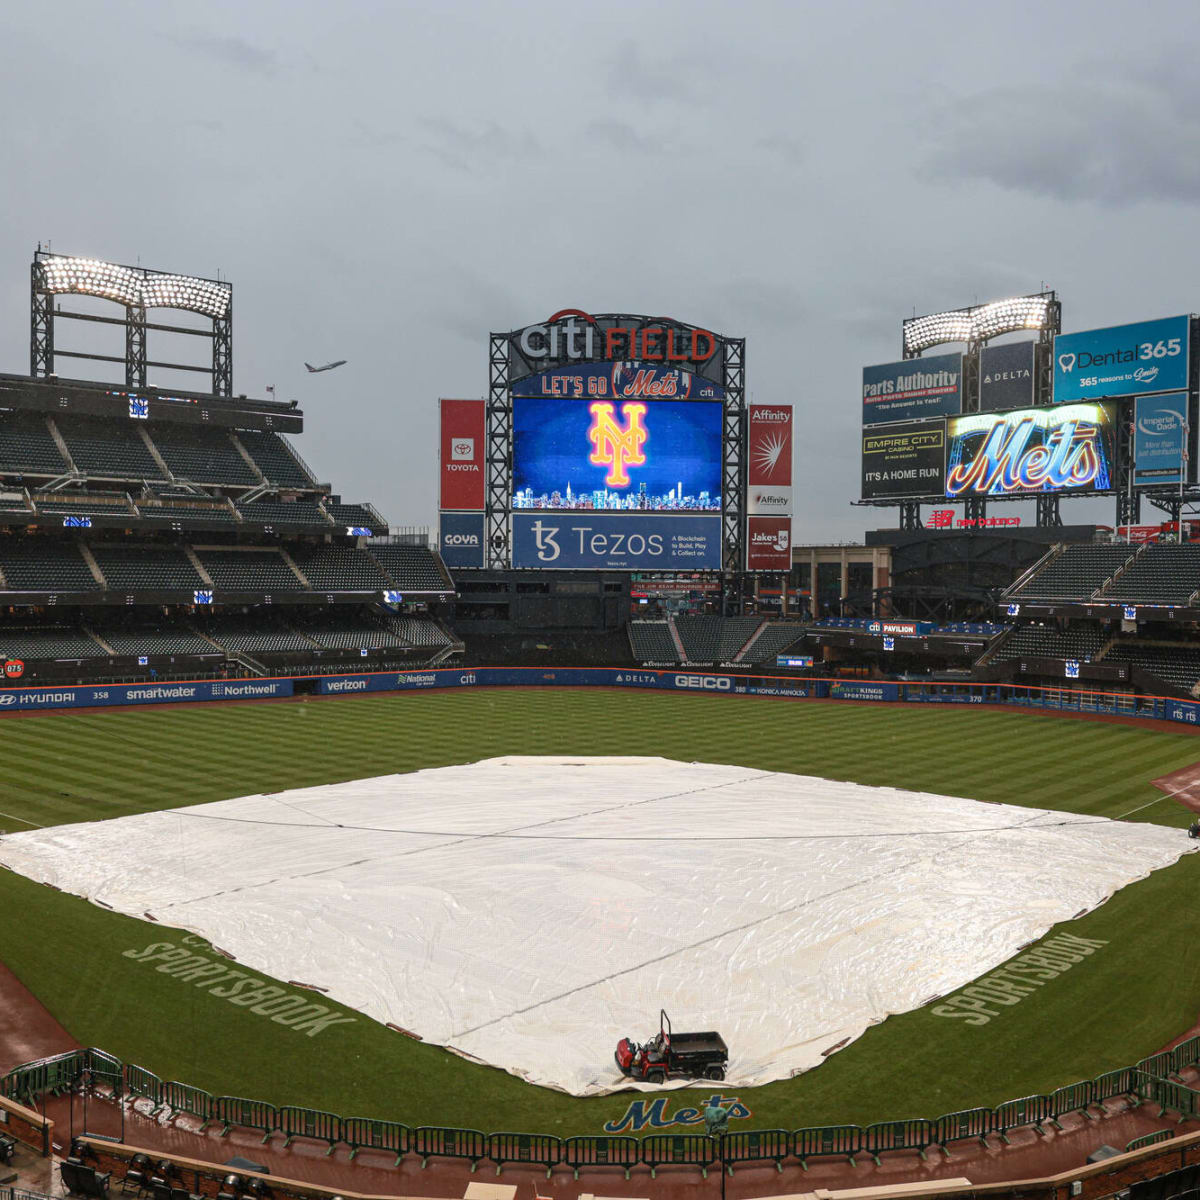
[1154, 1080]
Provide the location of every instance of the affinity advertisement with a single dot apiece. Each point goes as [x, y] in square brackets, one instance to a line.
[1063, 449]
[1006, 376]
[769, 471]
[460, 541]
[625, 455]
[463, 439]
[913, 388]
[187, 692]
[616, 541]
[904, 460]
[1124, 360]
[1160, 428]
[768, 543]
[621, 381]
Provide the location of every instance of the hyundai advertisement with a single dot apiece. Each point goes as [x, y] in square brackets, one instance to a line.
[616, 454]
[1068, 448]
[616, 541]
[1123, 360]
[1160, 428]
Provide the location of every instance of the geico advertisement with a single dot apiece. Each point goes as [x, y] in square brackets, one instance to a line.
[1068, 448]
[616, 541]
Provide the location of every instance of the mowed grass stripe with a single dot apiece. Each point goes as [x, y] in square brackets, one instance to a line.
[1117, 1006]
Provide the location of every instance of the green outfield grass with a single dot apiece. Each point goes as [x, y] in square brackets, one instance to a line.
[1123, 1002]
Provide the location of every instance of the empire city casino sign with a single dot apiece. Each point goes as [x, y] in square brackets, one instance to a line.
[572, 335]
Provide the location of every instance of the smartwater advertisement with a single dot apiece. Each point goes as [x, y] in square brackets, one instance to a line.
[616, 541]
[193, 691]
[1123, 360]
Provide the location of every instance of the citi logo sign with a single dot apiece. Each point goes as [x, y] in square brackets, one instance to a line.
[704, 683]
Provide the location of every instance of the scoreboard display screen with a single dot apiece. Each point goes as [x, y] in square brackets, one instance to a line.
[617, 454]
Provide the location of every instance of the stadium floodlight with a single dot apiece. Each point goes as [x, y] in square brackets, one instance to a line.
[133, 286]
[91, 277]
[979, 322]
[188, 292]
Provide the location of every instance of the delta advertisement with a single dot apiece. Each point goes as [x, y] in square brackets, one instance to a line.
[769, 471]
[1160, 428]
[912, 388]
[1006, 376]
[460, 540]
[463, 438]
[768, 543]
[619, 380]
[1064, 449]
[904, 460]
[188, 692]
[616, 541]
[625, 455]
[1123, 360]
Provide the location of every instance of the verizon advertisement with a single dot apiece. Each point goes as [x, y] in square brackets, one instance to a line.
[769, 481]
[768, 543]
[464, 435]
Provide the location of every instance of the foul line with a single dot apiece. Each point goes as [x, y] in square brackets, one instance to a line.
[32, 824]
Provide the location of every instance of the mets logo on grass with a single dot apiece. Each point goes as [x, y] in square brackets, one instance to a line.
[614, 445]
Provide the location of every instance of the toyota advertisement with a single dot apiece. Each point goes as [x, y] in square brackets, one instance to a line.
[908, 459]
[1123, 360]
[616, 541]
[912, 388]
[1068, 448]
[1160, 433]
[463, 438]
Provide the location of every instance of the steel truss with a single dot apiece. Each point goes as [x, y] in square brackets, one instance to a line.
[499, 453]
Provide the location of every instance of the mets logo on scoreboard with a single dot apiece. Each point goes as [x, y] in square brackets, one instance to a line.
[614, 445]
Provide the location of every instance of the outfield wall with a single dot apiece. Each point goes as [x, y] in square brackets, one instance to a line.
[1073, 700]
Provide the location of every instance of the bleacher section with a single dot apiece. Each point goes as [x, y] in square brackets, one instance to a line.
[344, 568]
[1159, 575]
[701, 637]
[248, 570]
[203, 456]
[1177, 664]
[158, 641]
[411, 568]
[355, 516]
[652, 642]
[1081, 643]
[1075, 573]
[417, 631]
[183, 515]
[84, 504]
[284, 512]
[150, 568]
[275, 459]
[256, 637]
[773, 641]
[44, 565]
[48, 642]
[26, 447]
[108, 451]
[734, 634]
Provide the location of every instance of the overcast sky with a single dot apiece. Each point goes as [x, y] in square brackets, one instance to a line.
[386, 183]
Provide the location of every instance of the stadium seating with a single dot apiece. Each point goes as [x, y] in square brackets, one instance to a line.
[735, 633]
[1177, 664]
[355, 637]
[652, 641]
[275, 458]
[152, 568]
[249, 570]
[26, 447]
[48, 642]
[701, 637]
[773, 640]
[84, 504]
[1082, 642]
[417, 631]
[187, 514]
[1075, 573]
[1159, 575]
[284, 512]
[341, 568]
[411, 568]
[355, 515]
[156, 641]
[203, 456]
[259, 637]
[42, 565]
[108, 450]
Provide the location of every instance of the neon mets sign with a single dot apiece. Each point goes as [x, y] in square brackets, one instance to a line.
[614, 445]
[1030, 451]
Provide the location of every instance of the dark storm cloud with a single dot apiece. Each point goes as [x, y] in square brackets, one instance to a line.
[233, 51]
[640, 72]
[1106, 134]
[467, 147]
[788, 150]
[620, 135]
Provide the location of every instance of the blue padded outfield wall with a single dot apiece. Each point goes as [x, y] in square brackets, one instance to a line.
[672, 680]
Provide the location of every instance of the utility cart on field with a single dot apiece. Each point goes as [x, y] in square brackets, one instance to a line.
[673, 1055]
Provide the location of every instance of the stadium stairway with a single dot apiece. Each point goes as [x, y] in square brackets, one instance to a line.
[676, 640]
[740, 656]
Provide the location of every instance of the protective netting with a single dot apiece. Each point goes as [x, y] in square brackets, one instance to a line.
[532, 911]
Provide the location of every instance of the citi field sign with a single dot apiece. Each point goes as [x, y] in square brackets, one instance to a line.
[574, 336]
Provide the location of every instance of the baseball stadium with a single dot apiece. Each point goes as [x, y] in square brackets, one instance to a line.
[604, 841]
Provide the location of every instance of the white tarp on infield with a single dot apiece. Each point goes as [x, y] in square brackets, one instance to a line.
[532, 911]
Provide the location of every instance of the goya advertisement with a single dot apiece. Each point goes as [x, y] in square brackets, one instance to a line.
[1032, 450]
[1123, 360]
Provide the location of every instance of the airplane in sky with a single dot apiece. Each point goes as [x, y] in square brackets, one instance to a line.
[341, 362]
